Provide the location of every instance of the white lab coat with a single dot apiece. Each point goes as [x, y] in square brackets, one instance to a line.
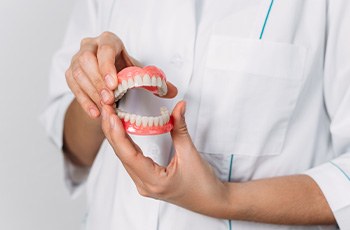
[268, 92]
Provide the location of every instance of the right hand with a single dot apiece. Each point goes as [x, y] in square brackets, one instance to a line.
[92, 75]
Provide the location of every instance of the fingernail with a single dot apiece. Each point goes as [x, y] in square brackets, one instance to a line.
[112, 122]
[93, 112]
[105, 95]
[110, 81]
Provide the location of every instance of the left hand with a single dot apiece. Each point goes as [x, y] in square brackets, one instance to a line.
[188, 181]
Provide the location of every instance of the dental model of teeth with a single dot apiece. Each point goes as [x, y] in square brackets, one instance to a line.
[153, 80]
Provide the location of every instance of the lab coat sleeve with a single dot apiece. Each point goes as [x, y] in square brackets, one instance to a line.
[333, 177]
[83, 23]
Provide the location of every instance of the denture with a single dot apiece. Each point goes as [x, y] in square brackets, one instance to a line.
[153, 80]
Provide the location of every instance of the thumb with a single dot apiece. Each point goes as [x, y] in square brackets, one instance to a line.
[181, 138]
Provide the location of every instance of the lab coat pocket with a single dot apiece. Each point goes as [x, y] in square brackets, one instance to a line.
[250, 89]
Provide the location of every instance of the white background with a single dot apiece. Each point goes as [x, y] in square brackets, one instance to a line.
[32, 192]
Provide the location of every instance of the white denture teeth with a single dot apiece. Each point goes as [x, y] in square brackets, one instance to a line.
[121, 114]
[131, 83]
[164, 87]
[165, 118]
[120, 96]
[116, 93]
[119, 93]
[156, 121]
[124, 85]
[138, 120]
[145, 121]
[161, 121]
[146, 80]
[150, 121]
[154, 81]
[127, 117]
[159, 82]
[133, 118]
[163, 90]
[139, 81]
[120, 88]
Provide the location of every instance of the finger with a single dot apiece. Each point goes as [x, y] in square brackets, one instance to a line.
[185, 151]
[121, 142]
[181, 138]
[138, 182]
[108, 49]
[85, 102]
[131, 156]
[112, 57]
[89, 64]
[85, 85]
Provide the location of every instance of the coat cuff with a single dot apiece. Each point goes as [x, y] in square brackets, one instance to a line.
[75, 177]
[333, 178]
[53, 118]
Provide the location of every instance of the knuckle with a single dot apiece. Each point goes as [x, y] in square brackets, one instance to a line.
[75, 58]
[85, 41]
[67, 74]
[81, 98]
[107, 34]
[85, 57]
[106, 68]
[96, 97]
[107, 49]
[77, 73]
[98, 83]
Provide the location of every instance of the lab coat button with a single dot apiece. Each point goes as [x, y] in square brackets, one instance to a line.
[153, 149]
[176, 60]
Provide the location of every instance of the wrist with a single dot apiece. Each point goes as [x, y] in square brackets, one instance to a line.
[78, 114]
[235, 201]
[230, 200]
[82, 135]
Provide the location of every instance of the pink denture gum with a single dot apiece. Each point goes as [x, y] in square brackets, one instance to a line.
[153, 80]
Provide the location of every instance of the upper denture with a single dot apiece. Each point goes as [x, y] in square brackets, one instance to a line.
[150, 78]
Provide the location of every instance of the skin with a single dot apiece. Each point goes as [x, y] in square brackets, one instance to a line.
[92, 77]
[188, 181]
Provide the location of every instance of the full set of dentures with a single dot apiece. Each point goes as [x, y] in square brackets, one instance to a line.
[152, 79]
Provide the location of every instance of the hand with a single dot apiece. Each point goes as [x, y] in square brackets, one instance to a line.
[92, 75]
[188, 181]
